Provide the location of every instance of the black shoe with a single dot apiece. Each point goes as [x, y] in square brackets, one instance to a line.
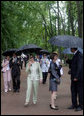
[71, 107]
[78, 109]
[14, 90]
[54, 108]
[44, 83]
[18, 90]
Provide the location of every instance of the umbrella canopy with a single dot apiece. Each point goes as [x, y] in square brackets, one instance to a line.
[30, 48]
[44, 52]
[9, 52]
[67, 41]
[68, 51]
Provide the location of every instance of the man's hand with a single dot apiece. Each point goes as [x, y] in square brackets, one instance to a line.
[75, 79]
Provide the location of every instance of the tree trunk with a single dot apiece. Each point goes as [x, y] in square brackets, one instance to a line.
[68, 20]
[71, 18]
[80, 19]
[58, 18]
[51, 32]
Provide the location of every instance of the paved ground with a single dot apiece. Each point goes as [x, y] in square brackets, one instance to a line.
[13, 103]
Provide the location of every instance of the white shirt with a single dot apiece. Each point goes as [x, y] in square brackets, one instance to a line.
[8, 68]
[45, 64]
[75, 52]
[58, 63]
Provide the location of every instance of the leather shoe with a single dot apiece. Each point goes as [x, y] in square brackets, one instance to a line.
[71, 107]
[18, 90]
[78, 109]
[14, 90]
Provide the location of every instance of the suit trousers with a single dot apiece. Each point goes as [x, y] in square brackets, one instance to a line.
[45, 77]
[16, 82]
[30, 84]
[77, 91]
[7, 80]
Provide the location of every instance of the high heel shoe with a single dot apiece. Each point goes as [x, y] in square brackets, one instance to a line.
[26, 104]
[54, 108]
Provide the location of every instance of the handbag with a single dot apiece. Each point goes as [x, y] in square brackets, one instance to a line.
[58, 69]
[57, 80]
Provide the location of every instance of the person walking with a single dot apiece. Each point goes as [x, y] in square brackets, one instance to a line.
[59, 64]
[6, 74]
[44, 66]
[15, 71]
[76, 80]
[21, 60]
[37, 58]
[34, 76]
[54, 80]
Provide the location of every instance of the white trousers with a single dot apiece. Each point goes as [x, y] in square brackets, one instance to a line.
[7, 80]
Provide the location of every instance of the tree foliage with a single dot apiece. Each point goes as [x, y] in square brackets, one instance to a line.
[24, 22]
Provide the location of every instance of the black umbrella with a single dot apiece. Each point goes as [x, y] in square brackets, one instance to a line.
[43, 52]
[68, 51]
[67, 41]
[9, 52]
[30, 48]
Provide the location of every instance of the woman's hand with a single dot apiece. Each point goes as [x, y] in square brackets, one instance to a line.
[40, 81]
[29, 64]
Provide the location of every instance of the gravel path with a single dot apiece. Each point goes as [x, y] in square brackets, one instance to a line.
[13, 103]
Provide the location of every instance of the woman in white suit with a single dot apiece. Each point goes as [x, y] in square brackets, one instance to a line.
[6, 74]
[33, 78]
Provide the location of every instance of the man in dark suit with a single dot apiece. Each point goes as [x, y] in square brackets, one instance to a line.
[15, 71]
[76, 80]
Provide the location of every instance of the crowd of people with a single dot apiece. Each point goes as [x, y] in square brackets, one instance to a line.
[38, 70]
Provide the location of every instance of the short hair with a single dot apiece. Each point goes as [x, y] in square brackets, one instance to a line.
[53, 55]
[74, 48]
[31, 56]
[44, 54]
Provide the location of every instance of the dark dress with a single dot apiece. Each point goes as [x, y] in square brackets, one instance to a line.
[53, 75]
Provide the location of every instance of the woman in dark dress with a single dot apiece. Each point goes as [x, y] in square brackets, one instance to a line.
[53, 83]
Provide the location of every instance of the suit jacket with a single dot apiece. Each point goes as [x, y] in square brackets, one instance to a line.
[5, 65]
[34, 71]
[77, 66]
[15, 67]
[53, 71]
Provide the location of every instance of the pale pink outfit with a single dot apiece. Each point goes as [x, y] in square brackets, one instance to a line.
[6, 75]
